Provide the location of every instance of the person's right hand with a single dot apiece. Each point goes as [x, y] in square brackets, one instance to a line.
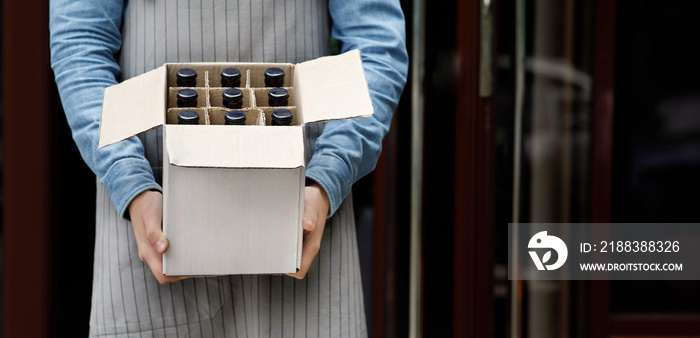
[146, 212]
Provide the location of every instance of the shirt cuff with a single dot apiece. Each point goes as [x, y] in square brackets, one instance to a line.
[126, 179]
[333, 175]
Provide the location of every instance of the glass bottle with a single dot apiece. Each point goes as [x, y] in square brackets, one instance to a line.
[187, 98]
[233, 98]
[278, 97]
[274, 77]
[234, 117]
[186, 77]
[188, 117]
[230, 77]
[282, 117]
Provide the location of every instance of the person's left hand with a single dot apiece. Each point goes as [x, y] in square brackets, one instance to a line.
[316, 207]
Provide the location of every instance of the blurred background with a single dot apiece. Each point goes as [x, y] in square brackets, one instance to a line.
[515, 110]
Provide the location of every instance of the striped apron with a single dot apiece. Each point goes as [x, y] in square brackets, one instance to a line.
[127, 301]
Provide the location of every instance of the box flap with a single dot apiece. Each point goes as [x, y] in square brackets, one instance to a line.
[331, 88]
[133, 106]
[215, 146]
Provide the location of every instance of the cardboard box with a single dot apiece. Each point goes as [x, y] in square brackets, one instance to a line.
[233, 196]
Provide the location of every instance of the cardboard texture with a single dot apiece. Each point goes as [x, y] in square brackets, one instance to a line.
[248, 147]
[133, 107]
[233, 196]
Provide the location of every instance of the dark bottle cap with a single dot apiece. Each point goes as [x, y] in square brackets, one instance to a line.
[274, 77]
[187, 98]
[281, 117]
[233, 98]
[234, 117]
[188, 117]
[278, 97]
[186, 77]
[230, 77]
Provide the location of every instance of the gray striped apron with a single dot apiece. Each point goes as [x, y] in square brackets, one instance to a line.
[127, 300]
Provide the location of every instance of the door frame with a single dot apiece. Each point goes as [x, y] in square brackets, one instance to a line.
[473, 200]
[28, 165]
[602, 149]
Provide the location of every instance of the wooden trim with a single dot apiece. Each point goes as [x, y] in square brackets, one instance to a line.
[599, 309]
[27, 175]
[385, 278]
[473, 262]
[379, 266]
[603, 110]
[655, 325]
[602, 149]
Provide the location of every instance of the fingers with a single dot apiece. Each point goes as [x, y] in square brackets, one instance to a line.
[315, 213]
[310, 249]
[155, 262]
[154, 259]
[309, 223]
[315, 206]
[156, 237]
[151, 213]
[310, 212]
[146, 215]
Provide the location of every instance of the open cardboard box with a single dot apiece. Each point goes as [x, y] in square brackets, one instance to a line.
[233, 196]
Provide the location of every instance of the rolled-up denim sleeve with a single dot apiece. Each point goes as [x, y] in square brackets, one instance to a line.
[85, 37]
[349, 149]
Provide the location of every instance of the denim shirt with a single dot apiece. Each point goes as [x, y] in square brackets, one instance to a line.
[85, 38]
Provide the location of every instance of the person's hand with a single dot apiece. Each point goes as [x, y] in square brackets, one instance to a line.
[316, 207]
[146, 212]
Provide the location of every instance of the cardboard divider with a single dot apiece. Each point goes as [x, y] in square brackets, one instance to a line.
[257, 74]
[216, 99]
[214, 79]
[261, 96]
[201, 98]
[171, 115]
[172, 74]
[267, 112]
[253, 116]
